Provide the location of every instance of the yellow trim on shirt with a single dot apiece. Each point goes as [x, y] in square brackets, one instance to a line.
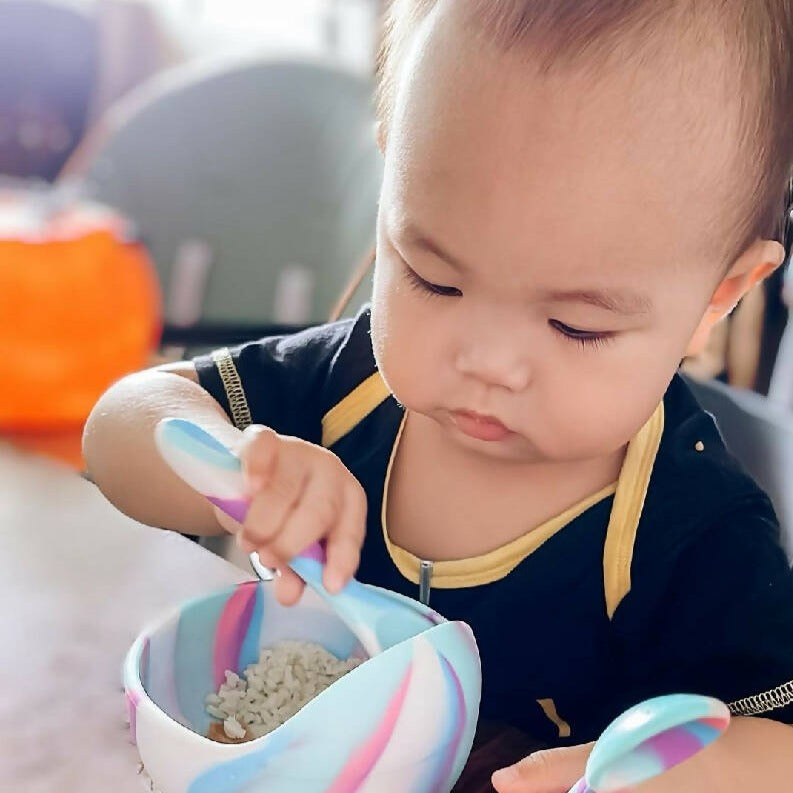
[549, 709]
[232, 385]
[626, 511]
[494, 565]
[489, 567]
[630, 491]
[358, 404]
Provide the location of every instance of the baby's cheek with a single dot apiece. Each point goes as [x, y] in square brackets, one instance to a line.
[593, 422]
[410, 370]
[389, 343]
[627, 420]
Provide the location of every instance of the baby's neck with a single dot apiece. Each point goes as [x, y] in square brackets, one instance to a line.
[447, 502]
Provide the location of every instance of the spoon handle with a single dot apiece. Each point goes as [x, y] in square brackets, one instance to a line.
[213, 470]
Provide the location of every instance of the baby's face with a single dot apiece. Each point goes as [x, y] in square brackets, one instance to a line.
[547, 245]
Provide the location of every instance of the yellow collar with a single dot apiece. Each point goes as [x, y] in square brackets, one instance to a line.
[629, 491]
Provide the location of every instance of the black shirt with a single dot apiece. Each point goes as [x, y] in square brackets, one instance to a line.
[685, 589]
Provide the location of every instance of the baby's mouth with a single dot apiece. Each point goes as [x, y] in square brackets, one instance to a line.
[480, 426]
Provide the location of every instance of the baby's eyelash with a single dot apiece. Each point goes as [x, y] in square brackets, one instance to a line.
[427, 288]
[585, 338]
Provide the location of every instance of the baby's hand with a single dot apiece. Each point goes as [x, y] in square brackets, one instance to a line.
[548, 771]
[557, 770]
[300, 493]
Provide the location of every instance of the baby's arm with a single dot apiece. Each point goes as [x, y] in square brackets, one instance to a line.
[119, 450]
[300, 493]
[754, 756]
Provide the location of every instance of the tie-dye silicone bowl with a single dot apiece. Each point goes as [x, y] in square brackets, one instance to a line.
[401, 721]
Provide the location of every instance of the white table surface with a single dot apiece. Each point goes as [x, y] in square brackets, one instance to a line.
[78, 580]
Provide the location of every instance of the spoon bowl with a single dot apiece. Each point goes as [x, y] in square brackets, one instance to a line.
[651, 738]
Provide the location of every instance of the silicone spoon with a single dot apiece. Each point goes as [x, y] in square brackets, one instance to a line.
[378, 618]
[651, 738]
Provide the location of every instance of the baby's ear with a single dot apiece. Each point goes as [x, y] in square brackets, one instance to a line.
[754, 265]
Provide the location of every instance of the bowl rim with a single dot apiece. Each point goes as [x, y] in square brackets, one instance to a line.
[133, 682]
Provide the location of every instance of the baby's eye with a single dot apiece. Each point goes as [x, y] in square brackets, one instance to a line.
[583, 337]
[426, 287]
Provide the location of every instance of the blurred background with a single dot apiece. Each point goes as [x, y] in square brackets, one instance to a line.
[183, 174]
[174, 175]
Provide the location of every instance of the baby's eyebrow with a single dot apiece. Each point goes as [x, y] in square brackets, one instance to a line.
[617, 301]
[415, 237]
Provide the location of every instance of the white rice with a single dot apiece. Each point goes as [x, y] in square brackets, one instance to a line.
[287, 676]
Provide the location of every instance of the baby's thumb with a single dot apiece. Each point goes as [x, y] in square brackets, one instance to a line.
[548, 771]
[227, 522]
[258, 450]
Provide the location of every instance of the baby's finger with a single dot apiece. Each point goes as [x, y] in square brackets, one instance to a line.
[343, 547]
[273, 505]
[265, 519]
[234, 528]
[288, 587]
[314, 517]
[268, 559]
[228, 523]
[259, 452]
[547, 771]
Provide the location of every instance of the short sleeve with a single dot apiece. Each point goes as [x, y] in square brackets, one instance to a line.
[723, 624]
[281, 381]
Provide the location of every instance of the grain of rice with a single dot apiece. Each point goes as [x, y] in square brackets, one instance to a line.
[287, 676]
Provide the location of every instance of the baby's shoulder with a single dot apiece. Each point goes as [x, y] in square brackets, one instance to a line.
[703, 514]
[290, 382]
[697, 485]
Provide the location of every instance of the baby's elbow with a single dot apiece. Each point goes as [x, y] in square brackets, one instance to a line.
[126, 408]
[121, 457]
[102, 441]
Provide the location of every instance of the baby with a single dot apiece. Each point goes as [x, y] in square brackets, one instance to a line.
[574, 194]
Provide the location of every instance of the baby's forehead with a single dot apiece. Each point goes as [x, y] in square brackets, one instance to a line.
[665, 106]
[634, 146]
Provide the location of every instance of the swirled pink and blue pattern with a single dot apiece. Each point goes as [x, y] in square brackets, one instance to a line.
[651, 738]
[402, 721]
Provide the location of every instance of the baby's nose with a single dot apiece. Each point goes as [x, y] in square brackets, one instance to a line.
[496, 365]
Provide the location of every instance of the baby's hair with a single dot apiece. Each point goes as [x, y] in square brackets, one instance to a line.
[756, 35]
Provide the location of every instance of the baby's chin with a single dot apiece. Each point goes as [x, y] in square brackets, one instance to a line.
[515, 448]
[521, 449]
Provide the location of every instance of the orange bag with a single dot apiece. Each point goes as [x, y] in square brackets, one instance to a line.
[79, 308]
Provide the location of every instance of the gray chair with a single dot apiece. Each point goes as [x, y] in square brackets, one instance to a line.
[760, 434]
[271, 167]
